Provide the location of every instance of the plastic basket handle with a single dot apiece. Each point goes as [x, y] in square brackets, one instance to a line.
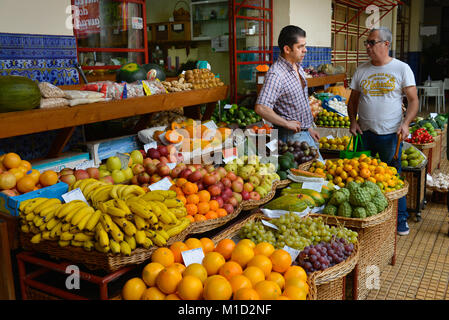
[356, 142]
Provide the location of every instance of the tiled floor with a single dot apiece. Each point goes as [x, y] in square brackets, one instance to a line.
[421, 271]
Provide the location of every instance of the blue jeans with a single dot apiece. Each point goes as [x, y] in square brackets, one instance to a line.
[385, 145]
[286, 135]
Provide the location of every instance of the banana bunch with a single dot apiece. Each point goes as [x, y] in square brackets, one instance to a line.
[114, 225]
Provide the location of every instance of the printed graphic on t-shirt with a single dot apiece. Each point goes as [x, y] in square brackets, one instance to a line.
[378, 84]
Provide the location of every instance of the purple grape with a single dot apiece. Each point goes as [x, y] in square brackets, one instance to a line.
[308, 265]
[317, 265]
[312, 251]
[313, 258]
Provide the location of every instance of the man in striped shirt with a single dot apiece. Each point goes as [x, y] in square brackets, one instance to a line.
[284, 98]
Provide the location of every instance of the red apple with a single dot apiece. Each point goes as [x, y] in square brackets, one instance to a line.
[68, 178]
[65, 171]
[228, 207]
[156, 161]
[191, 167]
[231, 176]
[219, 200]
[175, 172]
[248, 186]
[181, 165]
[233, 201]
[220, 185]
[138, 168]
[214, 190]
[245, 195]
[222, 171]
[237, 196]
[153, 153]
[200, 185]
[155, 178]
[226, 182]
[209, 179]
[81, 174]
[147, 160]
[195, 176]
[203, 171]
[197, 166]
[163, 159]
[254, 195]
[185, 173]
[143, 178]
[209, 167]
[135, 180]
[107, 179]
[163, 151]
[237, 186]
[163, 170]
[240, 179]
[150, 168]
[217, 175]
[144, 154]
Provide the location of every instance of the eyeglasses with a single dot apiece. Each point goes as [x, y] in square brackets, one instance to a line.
[371, 42]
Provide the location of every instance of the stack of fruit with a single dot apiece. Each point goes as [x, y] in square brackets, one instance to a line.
[335, 143]
[293, 153]
[18, 177]
[242, 271]
[411, 157]
[239, 115]
[257, 177]
[357, 201]
[359, 169]
[119, 219]
[263, 129]
[331, 119]
[420, 136]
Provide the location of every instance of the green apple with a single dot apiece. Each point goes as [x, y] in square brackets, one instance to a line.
[118, 176]
[104, 173]
[113, 163]
[103, 167]
[128, 173]
[137, 157]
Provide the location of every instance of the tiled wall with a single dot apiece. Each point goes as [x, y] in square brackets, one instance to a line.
[314, 56]
[42, 58]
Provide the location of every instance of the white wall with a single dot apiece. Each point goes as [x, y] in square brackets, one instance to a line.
[416, 20]
[281, 17]
[34, 17]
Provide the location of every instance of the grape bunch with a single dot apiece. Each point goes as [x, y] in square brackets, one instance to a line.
[324, 254]
[296, 232]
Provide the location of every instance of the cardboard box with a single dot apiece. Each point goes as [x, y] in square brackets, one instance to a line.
[66, 160]
[10, 205]
[103, 149]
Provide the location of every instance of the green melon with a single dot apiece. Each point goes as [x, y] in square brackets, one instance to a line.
[131, 72]
[18, 93]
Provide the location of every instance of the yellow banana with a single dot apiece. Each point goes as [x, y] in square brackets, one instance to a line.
[76, 243]
[91, 187]
[179, 212]
[34, 230]
[76, 184]
[82, 224]
[161, 212]
[115, 246]
[148, 243]
[84, 183]
[102, 206]
[99, 248]
[69, 207]
[173, 203]
[153, 196]
[50, 214]
[163, 233]
[106, 221]
[46, 204]
[81, 214]
[116, 233]
[150, 233]
[121, 189]
[141, 223]
[36, 238]
[132, 189]
[88, 245]
[113, 193]
[30, 202]
[115, 212]
[63, 243]
[140, 237]
[119, 203]
[159, 240]
[101, 236]
[55, 230]
[25, 228]
[130, 229]
[66, 236]
[103, 191]
[125, 249]
[46, 235]
[52, 223]
[121, 222]
[33, 204]
[30, 216]
[93, 220]
[139, 210]
[178, 228]
[38, 221]
[131, 241]
[70, 215]
[81, 237]
[65, 227]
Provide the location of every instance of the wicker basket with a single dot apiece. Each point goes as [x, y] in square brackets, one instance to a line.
[306, 165]
[204, 226]
[416, 179]
[282, 183]
[94, 260]
[181, 14]
[254, 204]
[397, 194]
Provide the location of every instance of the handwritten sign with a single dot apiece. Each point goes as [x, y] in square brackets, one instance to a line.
[312, 186]
[75, 194]
[171, 165]
[84, 165]
[163, 185]
[192, 256]
[293, 252]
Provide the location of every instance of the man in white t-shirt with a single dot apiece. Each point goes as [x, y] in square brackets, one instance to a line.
[378, 87]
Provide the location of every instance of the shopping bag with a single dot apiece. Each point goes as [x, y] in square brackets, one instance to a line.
[347, 154]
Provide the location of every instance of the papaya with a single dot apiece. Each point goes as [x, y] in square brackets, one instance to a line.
[308, 199]
[303, 173]
[316, 196]
[287, 202]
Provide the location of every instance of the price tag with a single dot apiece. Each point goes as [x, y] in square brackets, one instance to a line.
[85, 165]
[137, 23]
[337, 187]
[75, 194]
[183, 72]
[192, 256]
[227, 106]
[293, 252]
[163, 184]
[171, 165]
[433, 115]
[210, 124]
[312, 185]
[330, 137]
[124, 159]
[229, 159]
[268, 224]
[272, 145]
[151, 145]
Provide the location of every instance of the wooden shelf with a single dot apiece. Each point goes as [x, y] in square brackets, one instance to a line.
[321, 81]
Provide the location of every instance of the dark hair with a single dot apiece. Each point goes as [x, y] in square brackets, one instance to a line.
[289, 36]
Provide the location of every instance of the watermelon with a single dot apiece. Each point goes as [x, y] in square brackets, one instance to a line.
[160, 74]
[131, 72]
[18, 93]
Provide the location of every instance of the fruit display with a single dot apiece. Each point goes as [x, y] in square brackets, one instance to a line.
[257, 177]
[332, 119]
[131, 72]
[18, 177]
[117, 219]
[263, 129]
[340, 143]
[201, 79]
[411, 157]
[357, 200]
[228, 271]
[359, 169]
[315, 106]
[429, 125]
[420, 136]
[294, 153]
[239, 115]
[439, 181]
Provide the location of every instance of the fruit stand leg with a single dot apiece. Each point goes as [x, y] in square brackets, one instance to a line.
[210, 107]
[355, 281]
[6, 277]
[60, 142]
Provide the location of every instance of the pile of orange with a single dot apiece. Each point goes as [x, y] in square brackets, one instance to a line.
[242, 271]
[199, 205]
[18, 174]
[360, 169]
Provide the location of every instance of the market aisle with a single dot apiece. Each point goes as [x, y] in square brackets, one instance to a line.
[422, 263]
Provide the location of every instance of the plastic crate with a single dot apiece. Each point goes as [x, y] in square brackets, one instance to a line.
[65, 160]
[103, 149]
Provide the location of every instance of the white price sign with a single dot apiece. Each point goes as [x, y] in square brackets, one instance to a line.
[210, 124]
[293, 252]
[75, 194]
[433, 115]
[312, 186]
[171, 165]
[227, 106]
[124, 159]
[272, 145]
[151, 145]
[192, 256]
[84, 165]
[330, 137]
[163, 185]
[268, 224]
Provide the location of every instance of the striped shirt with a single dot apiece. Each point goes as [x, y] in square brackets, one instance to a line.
[282, 91]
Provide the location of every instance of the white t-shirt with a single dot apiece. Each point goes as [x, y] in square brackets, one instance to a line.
[380, 87]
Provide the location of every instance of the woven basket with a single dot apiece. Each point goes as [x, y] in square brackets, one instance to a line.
[204, 226]
[306, 165]
[416, 179]
[279, 184]
[397, 194]
[94, 260]
[254, 204]
[432, 188]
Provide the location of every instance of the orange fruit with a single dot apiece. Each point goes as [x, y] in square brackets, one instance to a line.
[17, 173]
[163, 256]
[176, 248]
[278, 278]
[196, 270]
[213, 261]
[25, 164]
[262, 262]
[248, 242]
[295, 272]
[168, 279]
[211, 215]
[48, 178]
[189, 188]
[214, 205]
[150, 272]
[193, 199]
[192, 209]
[190, 218]
[153, 293]
[203, 207]
[217, 288]
[180, 182]
[297, 282]
[22, 169]
[172, 296]
[208, 245]
[222, 212]
[133, 289]
[178, 266]
[246, 294]
[182, 198]
[254, 274]
[25, 184]
[11, 160]
[242, 254]
[204, 196]
[35, 174]
[193, 243]
[225, 248]
[264, 248]
[200, 217]
[295, 293]
[240, 281]
[281, 260]
[190, 288]
[230, 269]
[278, 298]
[268, 290]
